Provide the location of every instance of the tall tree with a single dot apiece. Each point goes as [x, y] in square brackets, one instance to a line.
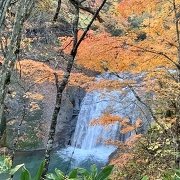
[13, 14]
[61, 85]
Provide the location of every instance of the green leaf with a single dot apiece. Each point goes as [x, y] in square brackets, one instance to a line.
[84, 173]
[177, 170]
[145, 178]
[8, 162]
[104, 173]
[39, 171]
[60, 174]
[25, 175]
[73, 174]
[16, 168]
[176, 178]
[52, 177]
[175, 153]
[166, 177]
[132, 164]
[94, 171]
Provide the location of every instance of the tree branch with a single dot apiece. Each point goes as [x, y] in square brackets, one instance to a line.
[57, 11]
[90, 10]
[88, 27]
[158, 53]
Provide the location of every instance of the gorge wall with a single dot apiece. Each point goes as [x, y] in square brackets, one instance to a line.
[35, 116]
[29, 108]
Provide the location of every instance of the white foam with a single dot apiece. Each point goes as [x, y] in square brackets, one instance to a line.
[100, 154]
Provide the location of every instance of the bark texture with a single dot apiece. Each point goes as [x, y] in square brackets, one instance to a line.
[10, 50]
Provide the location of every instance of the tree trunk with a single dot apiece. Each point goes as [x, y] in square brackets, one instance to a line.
[62, 85]
[11, 50]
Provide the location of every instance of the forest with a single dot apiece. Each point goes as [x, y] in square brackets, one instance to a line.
[113, 65]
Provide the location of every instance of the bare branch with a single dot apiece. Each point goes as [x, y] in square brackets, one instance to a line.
[158, 53]
[91, 11]
[57, 11]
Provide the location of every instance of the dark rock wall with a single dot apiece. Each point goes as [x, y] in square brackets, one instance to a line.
[31, 110]
[68, 115]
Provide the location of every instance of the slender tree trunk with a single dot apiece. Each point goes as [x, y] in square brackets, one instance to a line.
[4, 4]
[62, 85]
[57, 11]
[11, 52]
[3, 10]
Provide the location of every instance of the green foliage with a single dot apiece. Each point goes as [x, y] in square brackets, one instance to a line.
[93, 175]
[6, 166]
[152, 156]
[174, 174]
[61, 176]
[25, 174]
[84, 20]
[169, 175]
[75, 174]
[145, 178]
[39, 171]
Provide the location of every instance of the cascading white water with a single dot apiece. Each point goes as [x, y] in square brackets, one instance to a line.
[93, 105]
[85, 140]
[88, 148]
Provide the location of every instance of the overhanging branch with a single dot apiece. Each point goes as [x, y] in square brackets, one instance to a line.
[158, 53]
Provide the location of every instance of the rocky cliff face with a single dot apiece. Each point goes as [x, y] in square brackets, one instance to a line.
[29, 108]
[68, 115]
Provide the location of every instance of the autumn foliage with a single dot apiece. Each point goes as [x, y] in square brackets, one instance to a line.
[151, 44]
[40, 73]
[148, 47]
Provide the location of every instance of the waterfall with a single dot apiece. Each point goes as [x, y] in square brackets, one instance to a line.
[88, 149]
[93, 105]
[85, 145]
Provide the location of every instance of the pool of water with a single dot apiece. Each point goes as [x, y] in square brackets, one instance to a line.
[64, 159]
[32, 161]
